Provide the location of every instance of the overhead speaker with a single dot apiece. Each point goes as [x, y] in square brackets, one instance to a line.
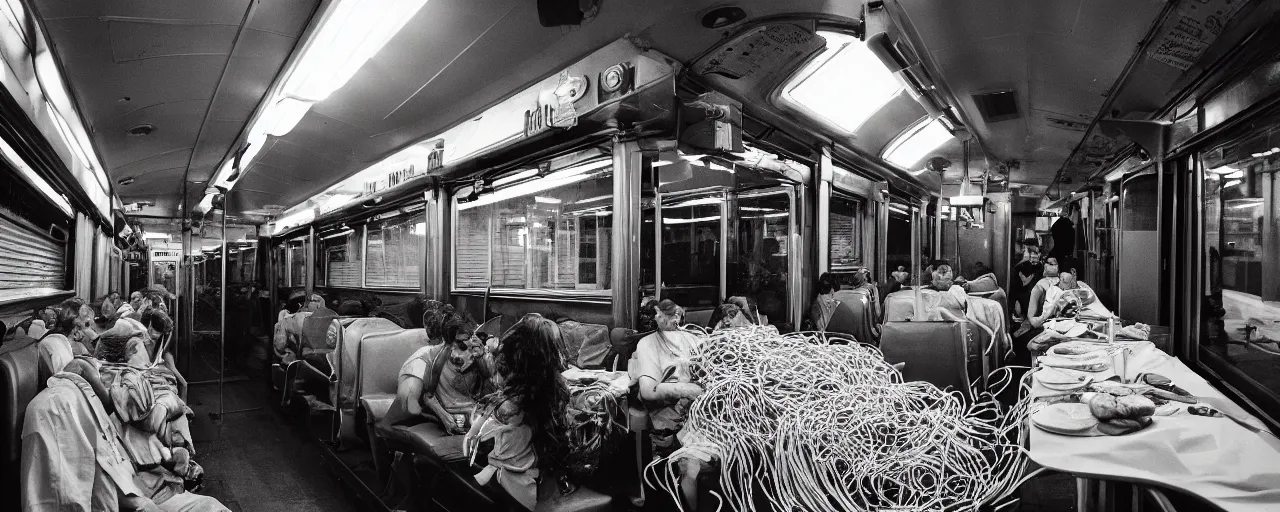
[558, 13]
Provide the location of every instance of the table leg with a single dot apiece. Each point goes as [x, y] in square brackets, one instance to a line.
[1086, 495]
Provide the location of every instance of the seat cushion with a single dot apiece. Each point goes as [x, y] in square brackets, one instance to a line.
[426, 438]
[376, 406]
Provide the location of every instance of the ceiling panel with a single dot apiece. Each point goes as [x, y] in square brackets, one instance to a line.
[1060, 58]
[172, 65]
[132, 40]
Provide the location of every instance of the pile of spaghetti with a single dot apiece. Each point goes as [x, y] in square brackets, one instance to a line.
[804, 424]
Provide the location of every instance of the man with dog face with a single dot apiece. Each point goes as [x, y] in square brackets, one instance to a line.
[443, 381]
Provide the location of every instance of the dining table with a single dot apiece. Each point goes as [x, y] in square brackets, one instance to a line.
[1224, 464]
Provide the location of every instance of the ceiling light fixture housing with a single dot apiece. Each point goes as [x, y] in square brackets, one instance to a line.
[723, 16]
[142, 130]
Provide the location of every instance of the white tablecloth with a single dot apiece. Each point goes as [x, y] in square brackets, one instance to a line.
[1212, 458]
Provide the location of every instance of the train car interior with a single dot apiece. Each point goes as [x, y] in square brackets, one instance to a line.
[608, 255]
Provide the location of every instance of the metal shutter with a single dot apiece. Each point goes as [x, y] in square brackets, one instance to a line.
[30, 258]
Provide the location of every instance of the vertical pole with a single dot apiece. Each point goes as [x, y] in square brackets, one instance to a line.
[308, 262]
[222, 328]
[627, 166]
[826, 174]
[917, 265]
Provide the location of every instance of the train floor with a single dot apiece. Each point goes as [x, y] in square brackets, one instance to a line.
[255, 458]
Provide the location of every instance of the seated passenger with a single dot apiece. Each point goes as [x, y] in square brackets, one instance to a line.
[526, 417]
[145, 399]
[67, 426]
[442, 382]
[733, 313]
[65, 339]
[1068, 298]
[661, 367]
[825, 305]
[110, 305]
[950, 297]
[1036, 303]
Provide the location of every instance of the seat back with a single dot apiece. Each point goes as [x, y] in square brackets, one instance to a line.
[350, 334]
[587, 344]
[701, 318]
[19, 384]
[899, 306]
[315, 329]
[934, 352]
[854, 316]
[381, 356]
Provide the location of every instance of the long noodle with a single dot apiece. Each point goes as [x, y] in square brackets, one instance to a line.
[800, 423]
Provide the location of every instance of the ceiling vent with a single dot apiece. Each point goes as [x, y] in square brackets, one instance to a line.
[142, 130]
[997, 106]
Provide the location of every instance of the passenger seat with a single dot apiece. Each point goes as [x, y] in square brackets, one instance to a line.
[19, 384]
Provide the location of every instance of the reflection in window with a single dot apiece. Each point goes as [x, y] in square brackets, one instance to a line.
[763, 224]
[297, 263]
[898, 237]
[340, 257]
[844, 85]
[281, 265]
[845, 238]
[1239, 308]
[395, 252]
[553, 233]
[691, 250]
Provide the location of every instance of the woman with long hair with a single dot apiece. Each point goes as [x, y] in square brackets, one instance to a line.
[525, 418]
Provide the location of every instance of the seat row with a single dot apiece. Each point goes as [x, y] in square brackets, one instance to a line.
[341, 374]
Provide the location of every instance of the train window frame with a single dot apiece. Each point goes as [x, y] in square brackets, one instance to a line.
[819, 70]
[289, 264]
[1214, 162]
[380, 224]
[352, 238]
[859, 223]
[576, 171]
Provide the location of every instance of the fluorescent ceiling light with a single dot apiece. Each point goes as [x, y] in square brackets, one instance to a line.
[767, 216]
[547, 200]
[556, 179]
[696, 202]
[1226, 169]
[916, 143]
[336, 201]
[1246, 205]
[522, 175]
[1237, 174]
[604, 213]
[420, 229]
[668, 220]
[845, 85]
[1231, 183]
[295, 219]
[344, 232]
[350, 33]
[34, 179]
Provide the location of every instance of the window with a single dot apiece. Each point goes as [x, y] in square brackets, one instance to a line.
[845, 238]
[843, 86]
[340, 253]
[916, 142]
[394, 251]
[281, 265]
[691, 246]
[763, 259]
[1239, 312]
[298, 263]
[551, 233]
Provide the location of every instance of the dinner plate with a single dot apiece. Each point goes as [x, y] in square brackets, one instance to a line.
[1060, 379]
[1068, 419]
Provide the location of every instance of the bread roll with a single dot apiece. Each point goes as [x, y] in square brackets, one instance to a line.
[1104, 406]
[1136, 406]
